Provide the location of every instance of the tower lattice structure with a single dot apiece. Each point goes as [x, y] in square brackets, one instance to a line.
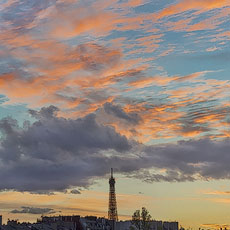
[112, 213]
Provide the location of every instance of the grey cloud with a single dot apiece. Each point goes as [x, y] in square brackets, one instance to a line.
[92, 57]
[75, 191]
[129, 74]
[43, 193]
[117, 111]
[171, 176]
[195, 117]
[191, 160]
[33, 210]
[45, 112]
[54, 154]
[96, 57]
[23, 12]
[191, 126]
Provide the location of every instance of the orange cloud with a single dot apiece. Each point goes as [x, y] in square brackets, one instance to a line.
[216, 192]
[70, 25]
[186, 5]
[133, 3]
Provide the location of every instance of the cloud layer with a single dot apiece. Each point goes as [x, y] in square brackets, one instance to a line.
[33, 210]
[54, 154]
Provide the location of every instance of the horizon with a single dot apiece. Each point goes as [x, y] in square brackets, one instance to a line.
[140, 86]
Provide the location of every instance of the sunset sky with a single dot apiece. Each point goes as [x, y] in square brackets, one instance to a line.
[142, 86]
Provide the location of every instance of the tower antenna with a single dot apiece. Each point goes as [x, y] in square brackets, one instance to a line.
[111, 172]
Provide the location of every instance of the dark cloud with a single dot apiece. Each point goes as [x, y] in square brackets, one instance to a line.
[197, 117]
[22, 13]
[32, 210]
[190, 160]
[95, 57]
[43, 193]
[117, 111]
[45, 113]
[54, 153]
[75, 191]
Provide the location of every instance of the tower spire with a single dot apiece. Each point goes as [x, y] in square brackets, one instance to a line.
[112, 213]
[111, 172]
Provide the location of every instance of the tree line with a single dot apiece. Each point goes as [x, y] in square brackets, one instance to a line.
[141, 220]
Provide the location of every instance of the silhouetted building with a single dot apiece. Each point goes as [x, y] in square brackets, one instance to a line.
[59, 222]
[15, 225]
[82, 223]
[72, 223]
[94, 223]
[170, 225]
[123, 225]
[154, 225]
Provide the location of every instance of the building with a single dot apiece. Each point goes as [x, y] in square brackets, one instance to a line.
[15, 225]
[59, 222]
[46, 223]
[76, 222]
[123, 225]
[170, 225]
[72, 223]
[94, 223]
[154, 225]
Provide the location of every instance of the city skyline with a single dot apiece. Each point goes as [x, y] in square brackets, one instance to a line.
[77, 222]
[141, 86]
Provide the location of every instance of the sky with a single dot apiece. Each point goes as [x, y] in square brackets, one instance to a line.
[142, 86]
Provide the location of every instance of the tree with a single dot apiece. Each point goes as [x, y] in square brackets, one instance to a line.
[136, 220]
[141, 219]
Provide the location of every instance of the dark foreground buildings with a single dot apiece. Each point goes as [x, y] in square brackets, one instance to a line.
[81, 223]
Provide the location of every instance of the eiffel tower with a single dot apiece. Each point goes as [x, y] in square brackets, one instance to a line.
[112, 213]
